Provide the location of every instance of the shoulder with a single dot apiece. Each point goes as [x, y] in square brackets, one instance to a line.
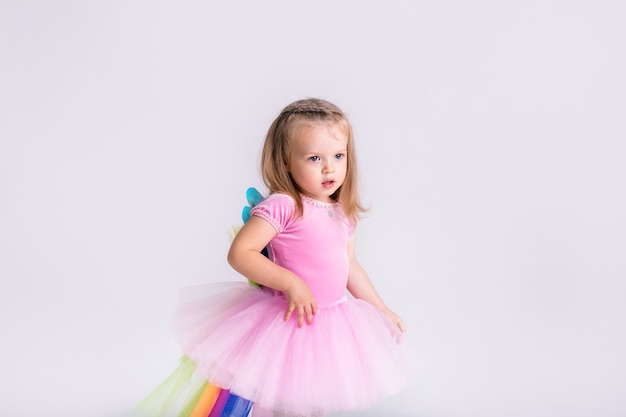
[278, 209]
[279, 198]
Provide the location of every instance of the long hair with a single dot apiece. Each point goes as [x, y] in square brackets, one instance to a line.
[275, 156]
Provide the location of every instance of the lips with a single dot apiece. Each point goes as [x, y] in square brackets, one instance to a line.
[328, 184]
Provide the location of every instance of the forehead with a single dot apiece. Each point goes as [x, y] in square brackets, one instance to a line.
[305, 131]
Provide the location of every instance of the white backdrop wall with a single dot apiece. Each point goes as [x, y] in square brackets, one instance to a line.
[492, 151]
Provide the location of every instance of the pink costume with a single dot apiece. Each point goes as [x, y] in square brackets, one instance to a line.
[235, 335]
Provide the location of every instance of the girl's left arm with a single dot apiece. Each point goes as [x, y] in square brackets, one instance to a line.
[361, 287]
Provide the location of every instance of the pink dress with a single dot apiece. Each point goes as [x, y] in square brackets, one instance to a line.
[235, 335]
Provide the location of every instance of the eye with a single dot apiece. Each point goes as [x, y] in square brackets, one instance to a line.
[339, 156]
[314, 158]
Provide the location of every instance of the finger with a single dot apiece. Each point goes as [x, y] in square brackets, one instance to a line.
[289, 311]
[309, 314]
[400, 326]
[314, 307]
[300, 316]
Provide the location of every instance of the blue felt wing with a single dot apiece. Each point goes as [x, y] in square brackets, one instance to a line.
[245, 214]
[254, 197]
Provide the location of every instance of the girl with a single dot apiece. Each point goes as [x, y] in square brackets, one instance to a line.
[295, 345]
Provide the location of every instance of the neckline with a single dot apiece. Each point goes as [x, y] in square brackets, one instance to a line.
[318, 203]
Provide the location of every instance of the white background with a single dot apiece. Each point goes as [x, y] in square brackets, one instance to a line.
[492, 151]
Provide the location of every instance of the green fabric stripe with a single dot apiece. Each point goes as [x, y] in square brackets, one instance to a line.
[186, 411]
[163, 396]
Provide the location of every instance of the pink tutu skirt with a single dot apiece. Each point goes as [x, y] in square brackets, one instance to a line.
[234, 337]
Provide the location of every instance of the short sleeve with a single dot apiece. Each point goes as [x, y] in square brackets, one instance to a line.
[277, 209]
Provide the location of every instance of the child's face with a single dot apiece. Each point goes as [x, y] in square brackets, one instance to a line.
[318, 160]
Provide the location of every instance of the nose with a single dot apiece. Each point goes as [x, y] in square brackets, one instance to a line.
[328, 167]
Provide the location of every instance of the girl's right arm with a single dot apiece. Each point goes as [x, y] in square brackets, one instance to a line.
[246, 258]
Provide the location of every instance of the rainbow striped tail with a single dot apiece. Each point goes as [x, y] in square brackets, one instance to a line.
[186, 394]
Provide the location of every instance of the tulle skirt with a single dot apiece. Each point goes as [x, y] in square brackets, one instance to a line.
[237, 345]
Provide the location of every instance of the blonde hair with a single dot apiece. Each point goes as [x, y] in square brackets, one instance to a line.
[275, 156]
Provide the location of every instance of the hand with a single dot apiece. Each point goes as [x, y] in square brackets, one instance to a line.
[395, 319]
[301, 301]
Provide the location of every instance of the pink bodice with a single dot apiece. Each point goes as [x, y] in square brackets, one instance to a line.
[313, 246]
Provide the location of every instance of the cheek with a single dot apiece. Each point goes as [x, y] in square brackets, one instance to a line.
[299, 170]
